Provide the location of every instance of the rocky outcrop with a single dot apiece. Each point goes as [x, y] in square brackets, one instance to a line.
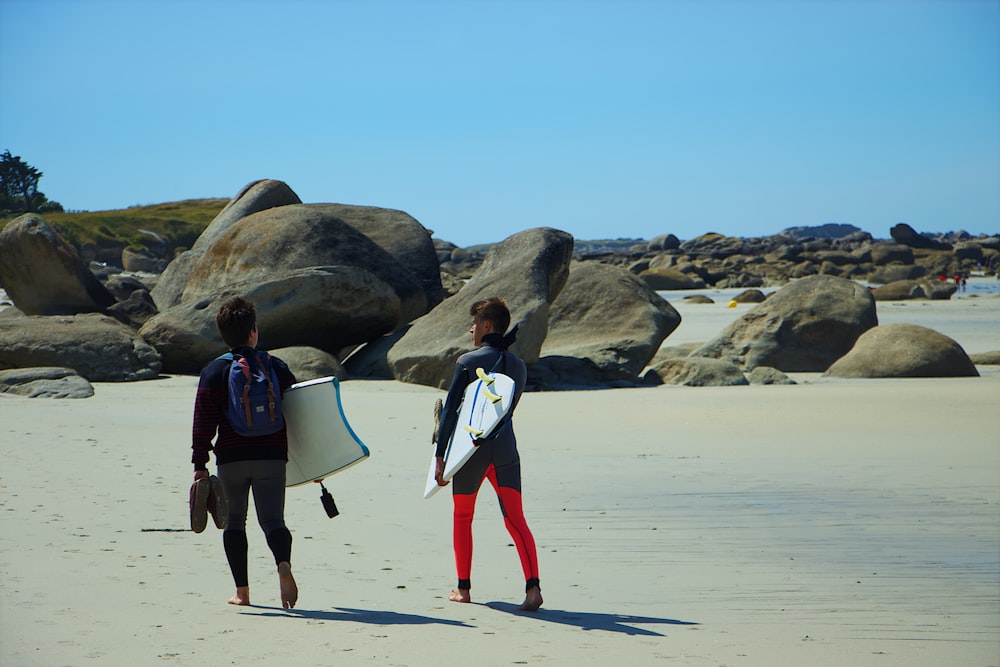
[724, 262]
[45, 382]
[803, 327]
[599, 341]
[903, 350]
[326, 307]
[528, 270]
[96, 346]
[43, 274]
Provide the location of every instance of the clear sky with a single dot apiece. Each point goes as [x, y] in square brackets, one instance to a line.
[607, 119]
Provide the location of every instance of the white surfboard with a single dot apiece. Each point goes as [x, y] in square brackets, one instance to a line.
[320, 441]
[485, 403]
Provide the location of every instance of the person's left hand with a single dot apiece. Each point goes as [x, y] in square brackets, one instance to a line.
[200, 474]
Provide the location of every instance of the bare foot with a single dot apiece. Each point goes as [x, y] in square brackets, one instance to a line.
[532, 601]
[289, 591]
[242, 597]
[460, 595]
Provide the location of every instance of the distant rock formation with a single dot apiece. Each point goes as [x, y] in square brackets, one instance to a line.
[831, 230]
[903, 233]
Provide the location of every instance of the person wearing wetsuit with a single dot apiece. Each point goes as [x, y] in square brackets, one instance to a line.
[244, 463]
[495, 459]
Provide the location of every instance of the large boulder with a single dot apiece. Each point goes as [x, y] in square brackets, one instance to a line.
[669, 278]
[294, 237]
[695, 372]
[605, 340]
[803, 327]
[884, 253]
[528, 270]
[97, 347]
[991, 358]
[401, 236]
[45, 382]
[663, 242]
[901, 290]
[43, 274]
[255, 196]
[893, 272]
[135, 310]
[308, 363]
[326, 307]
[903, 350]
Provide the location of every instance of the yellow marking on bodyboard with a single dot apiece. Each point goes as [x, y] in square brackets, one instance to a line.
[494, 398]
[474, 432]
[485, 378]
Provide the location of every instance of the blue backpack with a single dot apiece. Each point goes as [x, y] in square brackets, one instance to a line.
[254, 405]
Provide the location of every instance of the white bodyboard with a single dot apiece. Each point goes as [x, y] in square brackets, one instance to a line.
[486, 402]
[320, 441]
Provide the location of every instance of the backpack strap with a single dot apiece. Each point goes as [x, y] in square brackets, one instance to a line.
[267, 371]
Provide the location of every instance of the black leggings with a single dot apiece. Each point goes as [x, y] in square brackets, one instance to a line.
[266, 478]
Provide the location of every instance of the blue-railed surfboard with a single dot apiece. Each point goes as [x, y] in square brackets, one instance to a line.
[486, 402]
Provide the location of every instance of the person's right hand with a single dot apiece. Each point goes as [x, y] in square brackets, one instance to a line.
[200, 474]
[439, 471]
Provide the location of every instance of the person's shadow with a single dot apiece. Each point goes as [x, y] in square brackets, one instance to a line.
[622, 623]
[370, 616]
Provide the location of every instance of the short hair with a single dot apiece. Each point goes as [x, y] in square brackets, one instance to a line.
[493, 310]
[236, 318]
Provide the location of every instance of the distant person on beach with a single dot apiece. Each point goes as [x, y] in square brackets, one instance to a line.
[495, 459]
[244, 463]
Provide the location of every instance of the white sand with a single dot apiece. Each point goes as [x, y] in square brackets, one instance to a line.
[834, 522]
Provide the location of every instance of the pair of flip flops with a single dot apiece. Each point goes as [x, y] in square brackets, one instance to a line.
[207, 496]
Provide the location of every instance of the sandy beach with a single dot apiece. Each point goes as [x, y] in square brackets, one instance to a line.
[832, 522]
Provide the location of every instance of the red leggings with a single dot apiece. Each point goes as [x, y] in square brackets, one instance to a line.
[509, 495]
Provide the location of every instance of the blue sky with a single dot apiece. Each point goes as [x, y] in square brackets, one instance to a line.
[606, 119]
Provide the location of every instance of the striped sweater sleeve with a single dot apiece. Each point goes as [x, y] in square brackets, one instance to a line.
[207, 415]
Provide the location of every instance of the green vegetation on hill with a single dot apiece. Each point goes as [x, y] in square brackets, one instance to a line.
[178, 223]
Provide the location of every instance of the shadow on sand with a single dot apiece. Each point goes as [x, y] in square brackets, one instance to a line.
[370, 616]
[622, 623]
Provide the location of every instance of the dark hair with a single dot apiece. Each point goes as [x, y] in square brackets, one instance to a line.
[236, 318]
[493, 310]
